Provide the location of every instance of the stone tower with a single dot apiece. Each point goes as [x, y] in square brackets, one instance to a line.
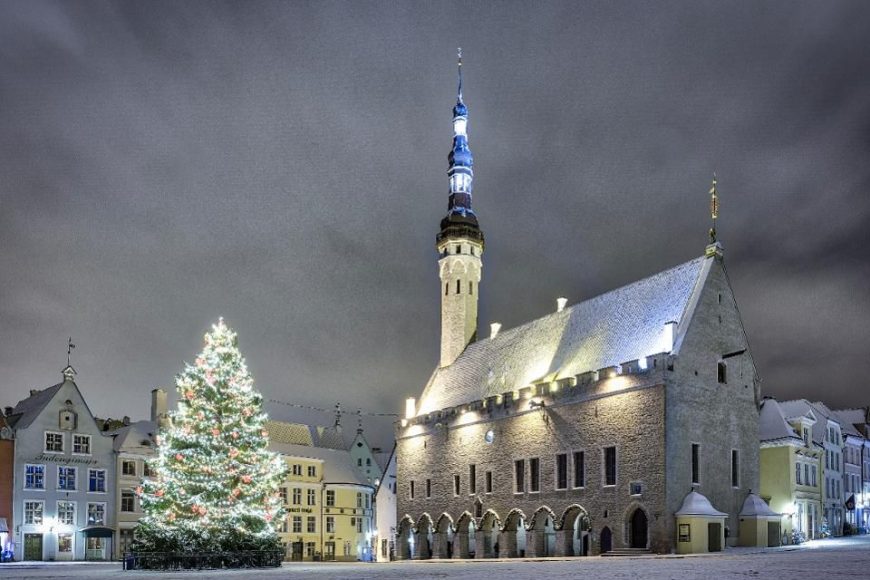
[459, 244]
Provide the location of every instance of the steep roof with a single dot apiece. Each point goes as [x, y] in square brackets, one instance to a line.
[290, 433]
[29, 409]
[754, 506]
[772, 423]
[846, 423]
[610, 329]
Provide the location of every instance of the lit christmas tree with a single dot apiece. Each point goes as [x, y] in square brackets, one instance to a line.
[216, 484]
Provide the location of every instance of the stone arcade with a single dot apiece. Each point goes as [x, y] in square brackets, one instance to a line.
[584, 431]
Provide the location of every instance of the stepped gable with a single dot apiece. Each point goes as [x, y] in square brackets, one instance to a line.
[610, 329]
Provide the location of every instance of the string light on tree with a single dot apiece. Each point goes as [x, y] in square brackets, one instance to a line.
[216, 484]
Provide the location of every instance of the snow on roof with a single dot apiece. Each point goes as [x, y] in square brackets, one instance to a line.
[338, 465]
[28, 409]
[291, 433]
[696, 504]
[803, 408]
[772, 424]
[847, 425]
[137, 436]
[754, 506]
[610, 329]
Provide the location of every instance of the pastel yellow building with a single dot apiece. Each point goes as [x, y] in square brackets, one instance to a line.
[328, 502]
[789, 468]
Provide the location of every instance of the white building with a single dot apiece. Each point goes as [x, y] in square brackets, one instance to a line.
[385, 512]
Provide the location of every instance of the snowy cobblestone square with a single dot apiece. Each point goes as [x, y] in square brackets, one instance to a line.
[834, 558]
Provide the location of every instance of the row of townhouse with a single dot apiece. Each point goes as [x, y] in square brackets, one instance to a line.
[68, 481]
[815, 466]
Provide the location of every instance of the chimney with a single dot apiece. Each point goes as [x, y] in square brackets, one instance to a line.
[494, 328]
[8, 411]
[34, 392]
[560, 304]
[126, 420]
[158, 405]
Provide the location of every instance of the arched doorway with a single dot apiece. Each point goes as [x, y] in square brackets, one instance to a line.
[464, 540]
[405, 539]
[487, 536]
[606, 540]
[573, 535]
[442, 546]
[512, 540]
[424, 537]
[639, 527]
[541, 534]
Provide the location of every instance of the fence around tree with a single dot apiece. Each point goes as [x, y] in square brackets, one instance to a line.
[202, 560]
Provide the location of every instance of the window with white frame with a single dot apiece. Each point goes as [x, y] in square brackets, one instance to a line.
[96, 514]
[359, 499]
[66, 513]
[81, 444]
[312, 497]
[34, 476]
[330, 497]
[312, 471]
[97, 480]
[297, 496]
[297, 469]
[66, 478]
[128, 501]
[297, 524]
[312, 524]
[330, 525]
[282, 493]
[33, 512]
[53, 442]
[359, 525]
[128, 467]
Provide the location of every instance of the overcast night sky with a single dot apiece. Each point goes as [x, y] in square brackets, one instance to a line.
[283, 165]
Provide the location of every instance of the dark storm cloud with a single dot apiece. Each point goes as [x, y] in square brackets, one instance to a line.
[282, 165]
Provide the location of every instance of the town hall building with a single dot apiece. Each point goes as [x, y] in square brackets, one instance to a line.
[627, 421]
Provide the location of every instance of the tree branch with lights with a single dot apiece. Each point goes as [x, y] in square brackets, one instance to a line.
[215, 485]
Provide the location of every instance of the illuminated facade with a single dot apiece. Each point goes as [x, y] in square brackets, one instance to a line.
[791, 466]
[582, 431]
[63, 483]
[328, 502]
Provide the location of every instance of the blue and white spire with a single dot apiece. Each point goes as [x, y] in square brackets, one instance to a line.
[460, 172]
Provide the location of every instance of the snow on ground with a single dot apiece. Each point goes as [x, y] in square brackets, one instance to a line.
[834, 558]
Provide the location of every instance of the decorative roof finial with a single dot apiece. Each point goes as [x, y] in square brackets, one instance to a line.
[69, 347]
[459, 69]
[714, 209]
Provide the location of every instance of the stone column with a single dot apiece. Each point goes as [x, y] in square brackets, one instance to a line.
[460, 545]
[534, 544]
[564, 543]
[483, 541]
[507, 544]
[421, 541]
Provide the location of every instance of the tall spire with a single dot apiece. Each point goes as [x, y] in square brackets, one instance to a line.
[460, 217]
[460, 242]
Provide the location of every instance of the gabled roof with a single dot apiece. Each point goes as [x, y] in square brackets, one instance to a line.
[290, 433]
[846, 424]
[27, 410]
[772, 423]
[610, 329]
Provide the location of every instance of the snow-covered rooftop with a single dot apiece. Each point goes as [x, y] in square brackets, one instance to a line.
[696, 504]
[754, 506]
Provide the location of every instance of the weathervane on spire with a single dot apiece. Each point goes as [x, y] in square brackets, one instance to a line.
[714, 209]
[69, 347]
[459, 69]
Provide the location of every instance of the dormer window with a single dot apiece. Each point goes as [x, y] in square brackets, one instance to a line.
[67, 420]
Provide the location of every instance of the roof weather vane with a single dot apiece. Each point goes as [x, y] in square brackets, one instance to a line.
[714, 209]
[69, 348]
[459, 69]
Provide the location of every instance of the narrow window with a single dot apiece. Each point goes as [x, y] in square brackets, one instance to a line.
[446, 288]
[696, 471]
[411, 489]
[459, 286]
[722, 372]
[488, 482]
[562, 471]
[519, 476]
[456, 485]
[735, 470]
[470, 288]
[428, 488]
[534, 474]
[610, 466]
[458, 249]
[472, 479]
[806, 473]
[478, 509]
[579, 469]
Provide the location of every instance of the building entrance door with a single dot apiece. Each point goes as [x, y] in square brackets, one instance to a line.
[714, 537]
[33, 546]
[329, 551]
[296, 552]
[638, 529]
[606, 540]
